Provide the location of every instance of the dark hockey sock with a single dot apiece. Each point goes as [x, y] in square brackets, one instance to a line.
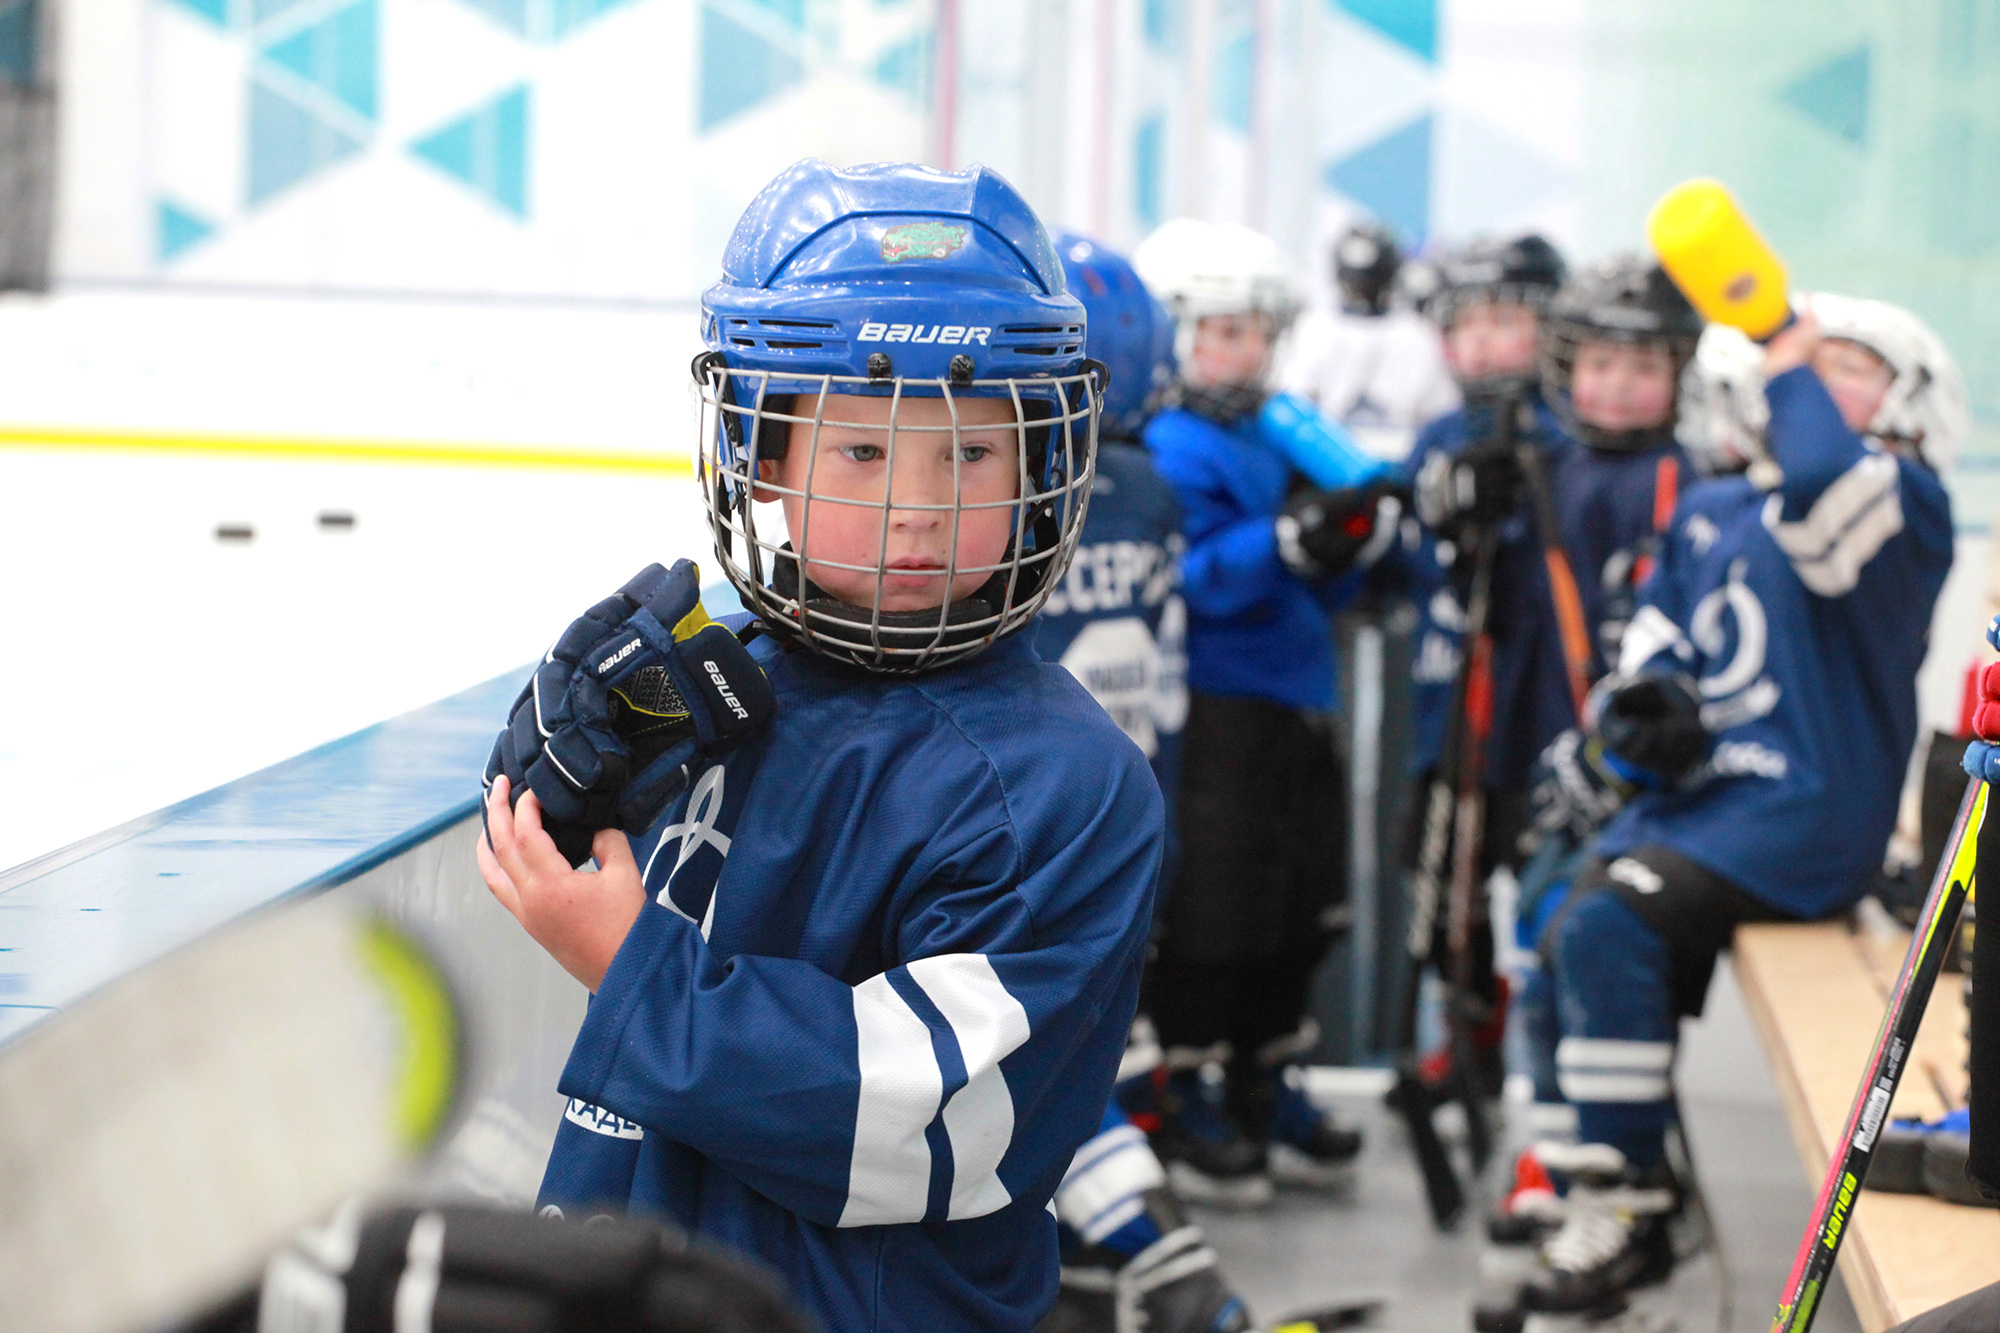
[1637, 1129]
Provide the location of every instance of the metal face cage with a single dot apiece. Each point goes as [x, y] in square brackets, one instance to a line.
[753, 416]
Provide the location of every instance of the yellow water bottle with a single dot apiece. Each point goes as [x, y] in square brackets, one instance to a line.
[1716, 257]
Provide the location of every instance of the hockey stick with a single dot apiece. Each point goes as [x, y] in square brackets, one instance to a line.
[1468, 837]
[1575, 634]
[1848, 1167]
[1444, 808]
[162, 1137]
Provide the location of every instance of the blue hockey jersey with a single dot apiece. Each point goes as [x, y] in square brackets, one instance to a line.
[1804, 615]
[881, 992]
[1607, 504]
[1116, 621]
[1255, 629]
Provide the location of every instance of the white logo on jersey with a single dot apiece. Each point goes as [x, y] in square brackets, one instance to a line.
[1702, 533]
[1747, 758]
[1111, 576]
[600, 1121]
[1734, 686]
[693, 833]
[1119, 663]
[1638, 874]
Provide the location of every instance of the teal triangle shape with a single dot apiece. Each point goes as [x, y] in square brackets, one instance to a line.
[1235, 71]
[905, 67]
[176, 230]
[215, 11]
[337, 54]
[1834, 94]
[739, 68]
[487, 149]
[1411, 24]
[289, 142]
[1391, 178]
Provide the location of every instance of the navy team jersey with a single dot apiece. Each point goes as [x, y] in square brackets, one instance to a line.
[1804, 615]
[1255, 628]
[1607, 504]
[1116, 621]
[880, 993]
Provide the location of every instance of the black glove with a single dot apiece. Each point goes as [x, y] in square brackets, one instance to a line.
[473, 1269]
[1573, 789]
[629, 696]
[1478, 486]
[1323, 533]
[1650, 726]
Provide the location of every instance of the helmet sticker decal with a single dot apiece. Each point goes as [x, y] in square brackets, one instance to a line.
[923, 240]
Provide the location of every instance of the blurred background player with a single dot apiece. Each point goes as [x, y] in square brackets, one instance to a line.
[1597, 394]
[915, 901]
[1369, 362]
[1276, 508]
[1117, 623]
[1759, 725]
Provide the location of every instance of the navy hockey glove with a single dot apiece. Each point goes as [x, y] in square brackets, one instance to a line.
[1324, 533]
[629, 696]
[1650, 726]
[1480, 486]
[1575, 789]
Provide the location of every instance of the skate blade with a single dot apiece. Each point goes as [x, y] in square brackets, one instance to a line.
[1195, 1187]
[159, 1139]
[1295, 1169]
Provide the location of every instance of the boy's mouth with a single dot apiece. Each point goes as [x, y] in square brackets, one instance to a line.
[909, 571]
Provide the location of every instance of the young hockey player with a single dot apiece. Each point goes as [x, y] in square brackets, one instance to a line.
[1760, 722]
[1276, 508]
[1595, 363]
[1373, 366]
[1130, 1256]
[863, 972]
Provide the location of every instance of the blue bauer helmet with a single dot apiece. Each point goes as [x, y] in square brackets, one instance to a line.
[1130, 332]
[921, 290]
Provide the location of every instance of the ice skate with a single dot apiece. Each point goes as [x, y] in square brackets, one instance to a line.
[1172, 1286]
[1209, 1158]
[1614, 1238]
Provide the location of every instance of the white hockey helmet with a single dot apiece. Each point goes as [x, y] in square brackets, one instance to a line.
[1723, 415]
[1926, 406]
[1198, 268]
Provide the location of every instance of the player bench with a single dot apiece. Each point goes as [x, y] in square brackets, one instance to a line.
[1816, 994]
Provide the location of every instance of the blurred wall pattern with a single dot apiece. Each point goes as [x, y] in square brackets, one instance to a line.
[600, 149]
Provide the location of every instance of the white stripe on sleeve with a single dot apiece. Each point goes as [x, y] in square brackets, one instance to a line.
[889, 1177]
[1107, 1182]
[1845, 528]
[1650, 633]
[990, 1024]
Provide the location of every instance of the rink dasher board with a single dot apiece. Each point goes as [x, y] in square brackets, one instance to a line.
[389, 816]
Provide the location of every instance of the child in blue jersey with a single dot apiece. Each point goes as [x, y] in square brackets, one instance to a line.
[865, 937]
[1277, 509]
[1760, 723]
[1593, 365]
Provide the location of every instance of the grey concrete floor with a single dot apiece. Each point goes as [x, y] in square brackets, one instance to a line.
[1376, 1240]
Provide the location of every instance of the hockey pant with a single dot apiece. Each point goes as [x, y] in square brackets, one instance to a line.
[1631, 953]
[1544, 886]
[1262, 890]
[1102, 1199]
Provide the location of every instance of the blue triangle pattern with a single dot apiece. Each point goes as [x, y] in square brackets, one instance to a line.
[17, 42]
[544, 20]
[1391, 178]
[1235, 70]
[215, 11]
[1149, 169]
[1834, 94]
[905, 66]
[288, 142]
[1411, 24]
[175, 229]
[739, 68]
[336, 54]
[487, 150]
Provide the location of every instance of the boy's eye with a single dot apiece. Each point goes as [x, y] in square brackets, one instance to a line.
[973, 453]
[862, 453]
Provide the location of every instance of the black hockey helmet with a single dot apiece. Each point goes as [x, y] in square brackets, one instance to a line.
[1365, 260]
[1623, 298]
[1526, 270]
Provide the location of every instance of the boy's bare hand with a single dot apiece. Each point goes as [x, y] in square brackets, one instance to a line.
[580, 919]
[1792, 347]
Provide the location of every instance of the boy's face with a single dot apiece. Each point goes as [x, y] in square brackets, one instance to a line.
[1620, 386]
[1857, 379]
[1490, 339]
[850, 463]
[1230, 350]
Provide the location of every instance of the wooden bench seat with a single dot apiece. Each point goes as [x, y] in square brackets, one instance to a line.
[1817, 995]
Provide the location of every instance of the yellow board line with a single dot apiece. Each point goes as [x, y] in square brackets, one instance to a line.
[350, 451]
